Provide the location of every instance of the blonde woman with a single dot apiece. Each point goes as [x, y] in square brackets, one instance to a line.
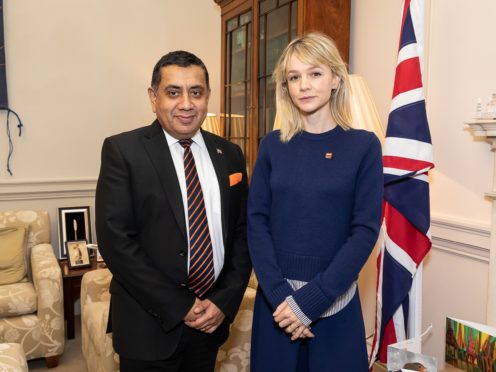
[314, 214]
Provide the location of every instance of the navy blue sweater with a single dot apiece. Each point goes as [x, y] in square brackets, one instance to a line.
[314, 213]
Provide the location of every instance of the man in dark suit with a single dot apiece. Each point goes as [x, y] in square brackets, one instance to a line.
[170, 219]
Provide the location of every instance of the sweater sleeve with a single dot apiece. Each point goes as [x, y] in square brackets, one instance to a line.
[321, 292]
[269, 274]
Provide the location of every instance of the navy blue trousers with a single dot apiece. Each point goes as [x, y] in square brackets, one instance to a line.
[339, 343]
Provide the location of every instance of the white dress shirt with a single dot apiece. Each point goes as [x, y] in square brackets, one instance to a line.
[210, 189]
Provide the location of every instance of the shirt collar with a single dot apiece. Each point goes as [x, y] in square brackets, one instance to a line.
[197, 138]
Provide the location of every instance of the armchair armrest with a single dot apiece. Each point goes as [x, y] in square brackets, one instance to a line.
[47, 280]
[95, 301]
[95, 286]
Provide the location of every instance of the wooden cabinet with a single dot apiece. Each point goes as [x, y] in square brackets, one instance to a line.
[254, 33]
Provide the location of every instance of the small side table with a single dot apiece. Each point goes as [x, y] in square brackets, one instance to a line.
[72, 290]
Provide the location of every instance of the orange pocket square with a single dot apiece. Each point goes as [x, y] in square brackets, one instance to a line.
[235, 178]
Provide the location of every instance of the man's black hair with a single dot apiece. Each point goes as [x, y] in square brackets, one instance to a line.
[177, 58]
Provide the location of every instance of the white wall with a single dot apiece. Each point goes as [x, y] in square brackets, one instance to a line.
[459, 68]
[78, 71]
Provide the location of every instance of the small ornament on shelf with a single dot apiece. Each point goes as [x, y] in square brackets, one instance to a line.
[491, 107]
[487, 112]
[478, 110]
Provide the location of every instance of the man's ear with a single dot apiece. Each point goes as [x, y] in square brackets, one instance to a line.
[153, 98]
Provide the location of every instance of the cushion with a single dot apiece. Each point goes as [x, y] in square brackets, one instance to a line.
[38, 221]
[13, 243]
[17, 299]
[39, 228]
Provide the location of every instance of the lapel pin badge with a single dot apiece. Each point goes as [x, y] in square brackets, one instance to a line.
[328, 155]
[219, 151]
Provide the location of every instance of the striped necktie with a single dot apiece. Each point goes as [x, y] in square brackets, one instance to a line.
[201, 261]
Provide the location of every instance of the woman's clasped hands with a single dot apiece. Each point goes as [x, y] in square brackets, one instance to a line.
[287, 320]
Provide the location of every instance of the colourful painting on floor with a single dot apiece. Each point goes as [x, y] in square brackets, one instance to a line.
[470, 346]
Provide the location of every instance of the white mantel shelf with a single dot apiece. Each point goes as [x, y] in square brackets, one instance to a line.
[484, 128]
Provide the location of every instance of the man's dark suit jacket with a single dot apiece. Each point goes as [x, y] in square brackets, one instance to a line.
[142, 236]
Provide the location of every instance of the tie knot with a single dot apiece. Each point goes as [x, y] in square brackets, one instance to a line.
[185, 143]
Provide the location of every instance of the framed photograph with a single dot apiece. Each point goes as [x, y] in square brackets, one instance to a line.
[74, 225]
[99, 257]
[94, 248]
[77, 254]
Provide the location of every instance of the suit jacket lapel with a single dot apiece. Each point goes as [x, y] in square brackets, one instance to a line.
[218, 160]
[156, 145]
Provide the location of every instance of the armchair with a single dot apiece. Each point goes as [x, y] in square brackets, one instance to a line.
[12, 358]
[98, 352]
[233, 356]
[31, 310]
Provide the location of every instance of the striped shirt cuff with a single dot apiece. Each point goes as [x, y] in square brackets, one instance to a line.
[297, 311]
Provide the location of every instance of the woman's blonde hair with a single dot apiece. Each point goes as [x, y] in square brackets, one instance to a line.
[315, 49]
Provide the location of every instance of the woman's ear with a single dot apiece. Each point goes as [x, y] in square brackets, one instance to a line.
[336, 82]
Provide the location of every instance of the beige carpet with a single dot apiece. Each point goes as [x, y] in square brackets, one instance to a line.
[72, 359]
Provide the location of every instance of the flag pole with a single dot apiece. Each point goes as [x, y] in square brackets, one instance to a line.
[414, 326]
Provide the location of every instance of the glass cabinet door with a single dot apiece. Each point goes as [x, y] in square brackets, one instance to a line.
[277, 27]
[245, 45]
[236, 110]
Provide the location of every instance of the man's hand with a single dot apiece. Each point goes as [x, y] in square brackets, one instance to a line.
[287, 320]
[207, 318]
[195, 311]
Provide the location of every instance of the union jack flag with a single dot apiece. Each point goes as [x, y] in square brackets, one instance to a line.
[407, 160]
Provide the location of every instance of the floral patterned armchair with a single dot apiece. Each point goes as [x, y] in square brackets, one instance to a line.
[233, 356]
[98, 352]
[31, 311]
